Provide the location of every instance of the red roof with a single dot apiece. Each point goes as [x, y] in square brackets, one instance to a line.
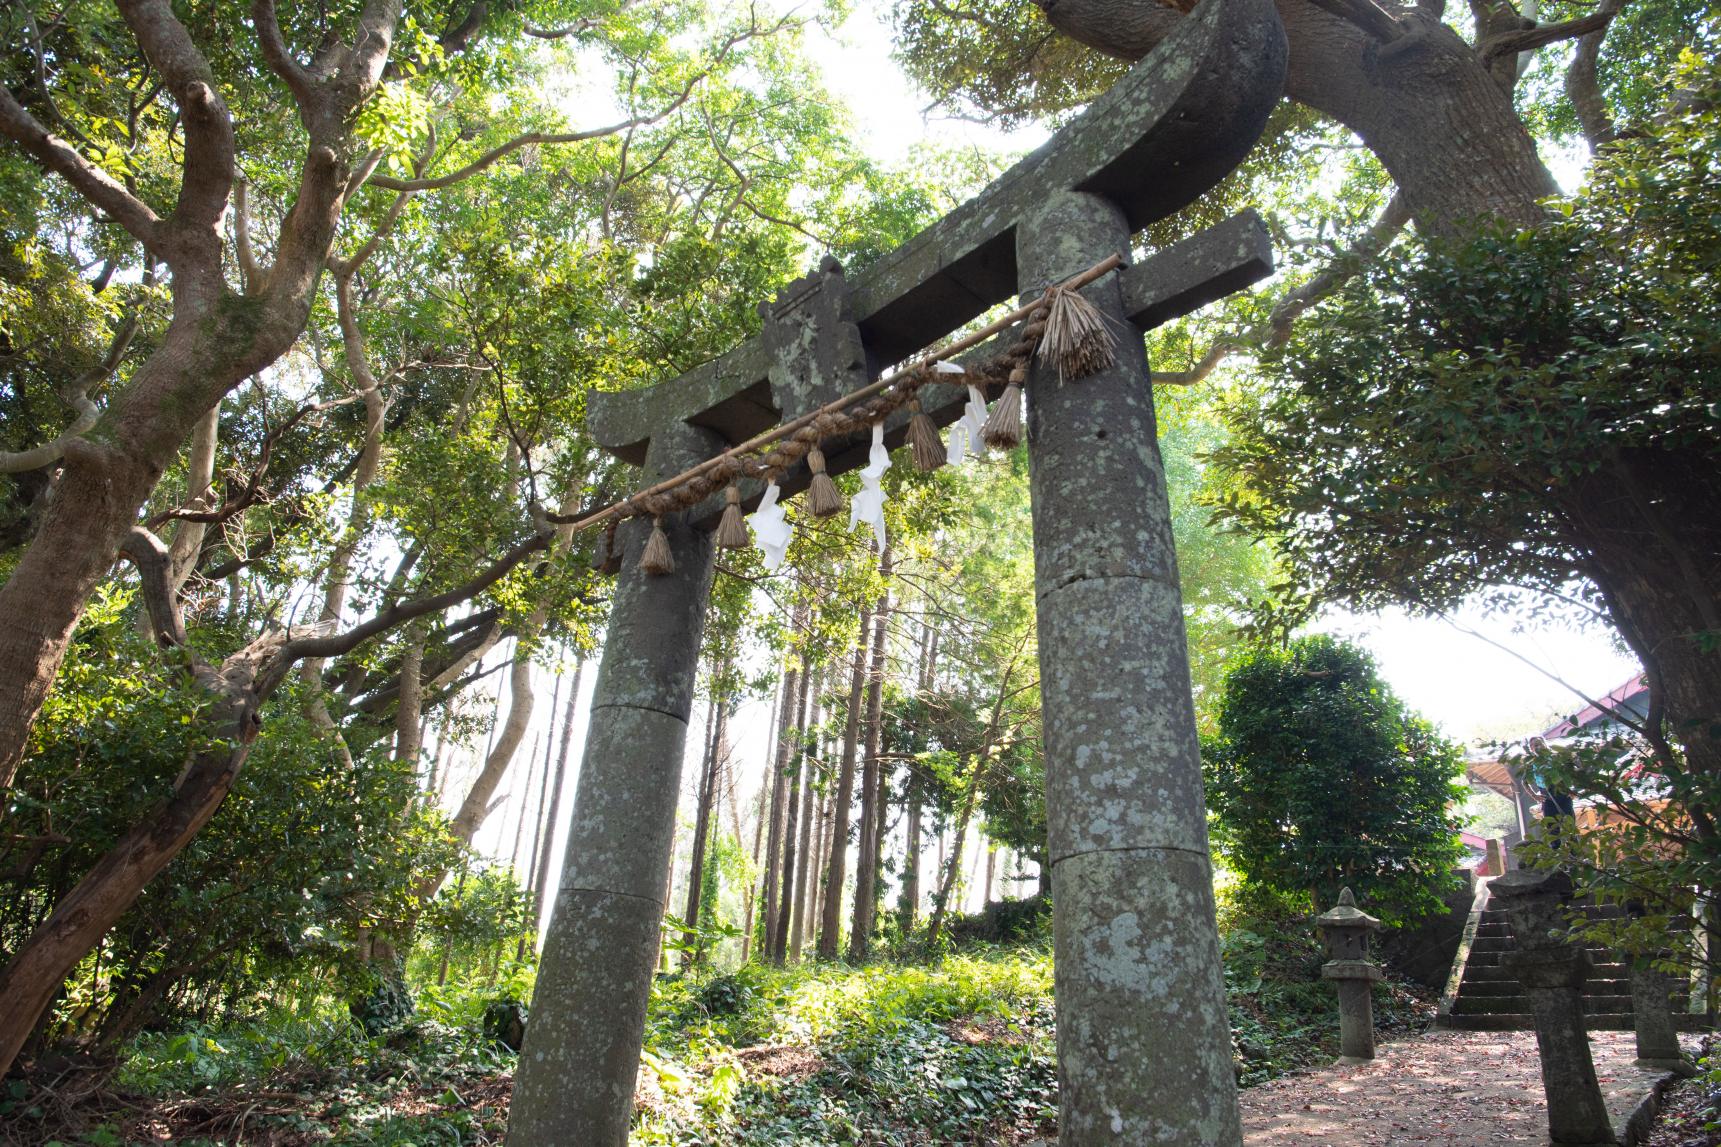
[1590, 713]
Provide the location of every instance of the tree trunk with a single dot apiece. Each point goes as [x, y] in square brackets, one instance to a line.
[1439, 119]
[831, 925]
[872, 810]
[787, 714]
[476, 807]
[104, 480]
[908, 909]
[761, 809]
[539, 828]
[543, 800]
[199, 479]
[556, 787]
[525, 814]
[702, 819]
[953, 868]
[41, 963]
[991, 871]
[409, 709]
[802, 855]
[1648, 520]
[791, 811]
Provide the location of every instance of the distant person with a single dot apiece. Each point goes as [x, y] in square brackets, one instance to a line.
[1555, 801]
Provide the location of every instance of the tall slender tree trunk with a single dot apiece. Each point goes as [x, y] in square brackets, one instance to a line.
[524, 815]
[749, 898]
[188, 534]
[802, 854]
[791, 811]
[543, 800]
[908, 909]
[477, 805]
[539, 829]
[837, 873]
[409, 710]
[778, 780]
[556, 787]
[953, 867]
[867, 860]
[761, 808]
[668, 898]
[702, 817]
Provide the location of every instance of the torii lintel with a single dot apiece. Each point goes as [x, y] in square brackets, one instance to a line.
[1166, 132]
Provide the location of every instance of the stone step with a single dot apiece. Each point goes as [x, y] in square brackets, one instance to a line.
[1523, 1021]
[1604, 963]
[1503, 987]
[1507, 986]
[1489, 1005]
[1483, 973]
[1480, 1004]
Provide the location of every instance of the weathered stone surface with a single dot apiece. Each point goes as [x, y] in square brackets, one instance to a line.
[574, 1082]
[1172, 127]
[1193, 272]
[1137, 952]
[1164, 286]
[577, 1068]
[815, 346]
[1652, 1020]
[1144, 1043]
[1137, 948]
[1130, 775]
[1346, 932]
[1552, 971]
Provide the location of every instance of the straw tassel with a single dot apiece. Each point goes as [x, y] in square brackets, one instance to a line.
[732, 531]
[823, 498]
[1077, 339]
[1003, 428]
[923, 440]
[657, 559]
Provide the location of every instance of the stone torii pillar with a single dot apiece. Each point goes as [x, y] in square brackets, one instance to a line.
[577, 1065]
[1144, 1042]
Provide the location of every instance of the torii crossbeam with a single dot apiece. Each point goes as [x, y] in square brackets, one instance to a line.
[1143, 1038]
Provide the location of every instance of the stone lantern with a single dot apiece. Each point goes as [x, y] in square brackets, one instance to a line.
[1345, 932]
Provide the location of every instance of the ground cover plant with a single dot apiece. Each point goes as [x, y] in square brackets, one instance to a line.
[954, 1049]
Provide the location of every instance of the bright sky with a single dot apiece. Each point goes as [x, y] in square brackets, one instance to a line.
[1467, 684]
[884, 104]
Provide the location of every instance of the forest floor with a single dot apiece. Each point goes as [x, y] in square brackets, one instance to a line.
[953, 1051]
[957, 1050]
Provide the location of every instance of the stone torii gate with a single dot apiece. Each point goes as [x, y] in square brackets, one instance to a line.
[1144, 1045]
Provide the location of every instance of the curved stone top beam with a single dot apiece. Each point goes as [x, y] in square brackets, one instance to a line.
[1173, 126]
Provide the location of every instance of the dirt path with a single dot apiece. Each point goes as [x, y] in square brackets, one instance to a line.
[1465, 1089]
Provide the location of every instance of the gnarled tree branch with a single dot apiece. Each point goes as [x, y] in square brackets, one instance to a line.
[1529, 39]
[77, 397]
[1583, 86]
[103, 191]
